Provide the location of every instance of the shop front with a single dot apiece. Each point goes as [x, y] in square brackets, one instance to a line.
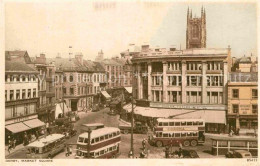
[16, 128]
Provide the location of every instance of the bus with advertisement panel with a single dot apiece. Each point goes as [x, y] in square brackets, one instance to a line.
[188, 132]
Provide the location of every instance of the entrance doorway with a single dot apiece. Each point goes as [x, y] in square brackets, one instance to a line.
[74, 105]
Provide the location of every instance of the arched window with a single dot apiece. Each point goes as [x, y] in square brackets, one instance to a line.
[195, 31]
[71, 78]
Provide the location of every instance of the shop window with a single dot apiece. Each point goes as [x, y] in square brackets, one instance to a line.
[235, 93]
[235, 108]
[254, 93]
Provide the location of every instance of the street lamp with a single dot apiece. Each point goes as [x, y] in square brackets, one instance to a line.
[89, 134]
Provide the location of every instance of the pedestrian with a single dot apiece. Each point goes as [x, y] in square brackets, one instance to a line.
[231, 133]
[14, 143]
[144, 143]
[36, 135]
[166, 152]
[9, 146]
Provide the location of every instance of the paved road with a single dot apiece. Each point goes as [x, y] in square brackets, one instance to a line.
[113, 121]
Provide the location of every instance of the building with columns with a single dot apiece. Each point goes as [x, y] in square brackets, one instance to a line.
[190, 83]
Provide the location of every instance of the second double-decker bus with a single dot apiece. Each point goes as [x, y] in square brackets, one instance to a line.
[175, 131]
[104, 143]
[46, 147]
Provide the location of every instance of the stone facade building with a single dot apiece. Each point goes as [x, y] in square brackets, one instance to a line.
[184, 80]
[196, 30]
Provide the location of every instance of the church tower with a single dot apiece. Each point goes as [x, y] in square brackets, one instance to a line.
[196, 30]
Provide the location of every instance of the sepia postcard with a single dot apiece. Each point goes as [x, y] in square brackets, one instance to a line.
[141, 82]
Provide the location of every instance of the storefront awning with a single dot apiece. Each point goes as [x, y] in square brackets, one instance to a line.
[128, 89]
[17, 127]
[209, 116]
[34, 123]
[105, 94]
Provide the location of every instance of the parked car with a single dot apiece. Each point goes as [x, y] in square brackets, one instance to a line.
[239, 154]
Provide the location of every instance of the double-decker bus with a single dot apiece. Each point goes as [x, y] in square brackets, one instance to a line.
[46, 147]
[104, 143]
[175, 131]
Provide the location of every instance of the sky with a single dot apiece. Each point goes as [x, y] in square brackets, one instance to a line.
[51, 27]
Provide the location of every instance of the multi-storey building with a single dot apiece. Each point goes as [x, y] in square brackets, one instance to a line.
[243, 101]
[98, 79]
[46, 87]
[192, 82]
[21, 95]
[114, 75]
[76, 82]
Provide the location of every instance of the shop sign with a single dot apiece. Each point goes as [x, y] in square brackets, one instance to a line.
[198, 107]
[244, 107]
[20, 119]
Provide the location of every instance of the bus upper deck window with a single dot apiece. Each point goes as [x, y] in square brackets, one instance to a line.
[195, 134]
[160, 123]
[171, 124]
[159, 134]
[110, 135]
[86, 140]
[110, 149]
[97, 154]
[114, 134]
[81, 139]
[165, 124]
[97, 139]
[189, 123]
[200, 123]
[177, 134]
[106, 136]
[101, 138]
[117, 132]
[183, 134]
[177, 123]
[183, 123]
[195, 123]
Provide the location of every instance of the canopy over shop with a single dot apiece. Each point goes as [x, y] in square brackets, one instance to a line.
[30, 126]
[215, 119]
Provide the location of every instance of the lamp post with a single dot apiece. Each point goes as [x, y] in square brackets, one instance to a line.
[89, 134]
